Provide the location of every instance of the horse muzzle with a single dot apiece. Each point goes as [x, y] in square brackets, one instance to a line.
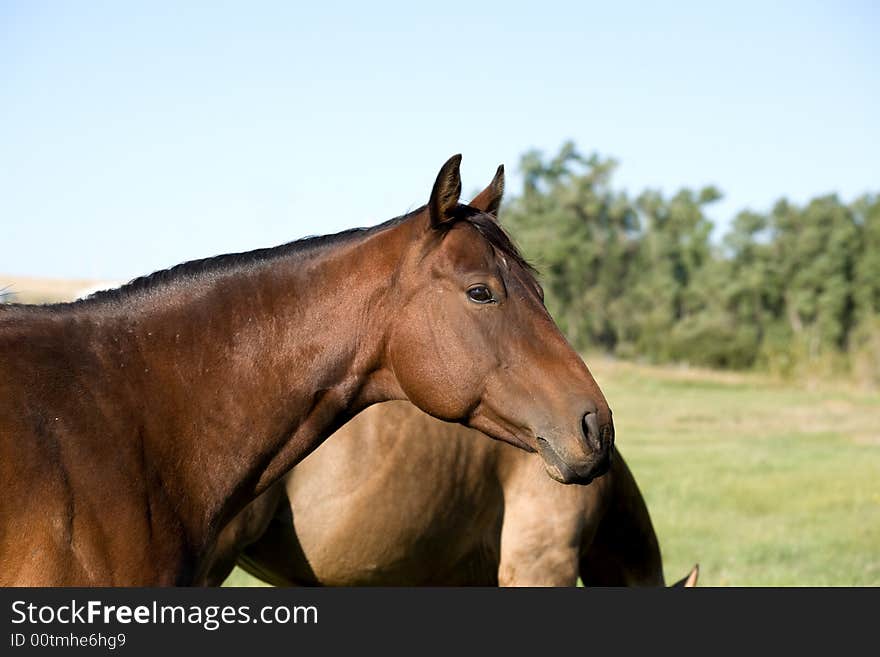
[590, 458]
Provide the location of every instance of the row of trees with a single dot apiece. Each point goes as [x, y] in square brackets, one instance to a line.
[791, 290]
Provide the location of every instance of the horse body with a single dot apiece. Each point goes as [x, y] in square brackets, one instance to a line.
[163, 387]
[399, 498]
[135, 424]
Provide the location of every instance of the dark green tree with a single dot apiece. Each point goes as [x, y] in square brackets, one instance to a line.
[797, 288]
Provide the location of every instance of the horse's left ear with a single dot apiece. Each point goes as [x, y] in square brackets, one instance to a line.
[447, 189]
[489, 200]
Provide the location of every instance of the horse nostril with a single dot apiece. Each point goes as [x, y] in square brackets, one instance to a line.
[608, 434]
[590, 423]
[599, 437]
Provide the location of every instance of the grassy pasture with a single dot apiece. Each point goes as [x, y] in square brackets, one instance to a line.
[27, 289]
[760, 481]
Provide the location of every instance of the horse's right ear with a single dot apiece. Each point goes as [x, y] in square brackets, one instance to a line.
[447, 190]
[489, 200]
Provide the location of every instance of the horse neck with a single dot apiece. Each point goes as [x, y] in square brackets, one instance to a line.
[247, 374]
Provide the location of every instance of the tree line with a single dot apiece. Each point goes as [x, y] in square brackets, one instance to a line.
[793, 290]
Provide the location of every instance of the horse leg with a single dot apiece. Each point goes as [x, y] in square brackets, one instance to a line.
[539, 546]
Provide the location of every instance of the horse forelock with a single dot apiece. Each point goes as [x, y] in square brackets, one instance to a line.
[489, 228]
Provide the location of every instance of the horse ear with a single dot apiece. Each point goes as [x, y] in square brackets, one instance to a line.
[489, 200]
[690, 580]
[447, 189]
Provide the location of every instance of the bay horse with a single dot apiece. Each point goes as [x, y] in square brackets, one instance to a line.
[136, 423]
[397, 498]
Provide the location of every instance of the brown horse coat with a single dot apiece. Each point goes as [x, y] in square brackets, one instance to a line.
[399, 498]
[135, 424]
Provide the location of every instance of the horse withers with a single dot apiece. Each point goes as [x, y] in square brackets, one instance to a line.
[397, 498]
[135, 424]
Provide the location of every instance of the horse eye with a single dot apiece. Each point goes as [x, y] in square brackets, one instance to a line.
[480, 294]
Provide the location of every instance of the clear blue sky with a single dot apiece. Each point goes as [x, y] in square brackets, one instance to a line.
[135, 136]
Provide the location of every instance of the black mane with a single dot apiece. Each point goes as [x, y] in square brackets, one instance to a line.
[232, 262]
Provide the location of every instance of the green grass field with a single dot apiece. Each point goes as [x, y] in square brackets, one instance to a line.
[761, 482]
